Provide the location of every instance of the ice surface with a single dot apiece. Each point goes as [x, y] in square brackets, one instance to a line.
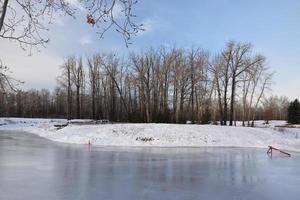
[34, 168]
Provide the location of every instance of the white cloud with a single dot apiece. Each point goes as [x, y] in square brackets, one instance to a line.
[117, 11]
[76, 4]
[85, 40]
[37, 71]
[150, 25]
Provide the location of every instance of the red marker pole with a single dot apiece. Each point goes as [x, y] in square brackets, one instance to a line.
[283, 152]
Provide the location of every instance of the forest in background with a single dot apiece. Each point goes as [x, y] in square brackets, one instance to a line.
[167, 85]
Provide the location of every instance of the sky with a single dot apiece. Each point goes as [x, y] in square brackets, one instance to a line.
[272, 26]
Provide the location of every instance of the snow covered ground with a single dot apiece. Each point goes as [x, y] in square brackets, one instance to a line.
[163, 135]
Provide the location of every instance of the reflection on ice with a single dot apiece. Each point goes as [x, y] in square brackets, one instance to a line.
[34, 168]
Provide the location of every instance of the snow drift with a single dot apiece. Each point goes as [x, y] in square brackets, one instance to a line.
[163, 135]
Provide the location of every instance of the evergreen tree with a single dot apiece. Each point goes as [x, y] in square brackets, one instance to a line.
[294, 112]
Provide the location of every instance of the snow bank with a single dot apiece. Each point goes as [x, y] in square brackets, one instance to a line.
[163, 135]
[24, 123]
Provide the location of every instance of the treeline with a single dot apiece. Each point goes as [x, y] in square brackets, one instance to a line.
[158, 85]
[294, 112]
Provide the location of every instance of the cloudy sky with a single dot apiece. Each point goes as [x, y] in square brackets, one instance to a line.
[273, 26]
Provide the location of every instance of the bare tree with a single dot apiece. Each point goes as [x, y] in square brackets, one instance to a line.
[220, 67]
[143, 75]
[65, 80]
[225, 64]
[25, 21]
[260, 79]
[241, 61]
[78, 80]
[94, 73]
[216, 67]
[7, 82]
[192, 58]
[246, 80]
[265, 82]
[111, 67]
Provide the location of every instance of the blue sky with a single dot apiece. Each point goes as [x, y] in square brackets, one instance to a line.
[273, 26]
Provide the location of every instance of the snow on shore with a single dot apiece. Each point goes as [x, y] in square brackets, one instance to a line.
[164, 135]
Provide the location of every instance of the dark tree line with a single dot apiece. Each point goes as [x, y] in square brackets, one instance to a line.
[294, 112]
[157, 85]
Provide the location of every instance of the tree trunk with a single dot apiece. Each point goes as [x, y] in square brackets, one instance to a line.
[233, 86]
[78, 102]
[93, 102]
[4, 8]
[69, 115]
[225, 110]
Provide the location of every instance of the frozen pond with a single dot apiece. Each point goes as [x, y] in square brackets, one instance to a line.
[37, 169]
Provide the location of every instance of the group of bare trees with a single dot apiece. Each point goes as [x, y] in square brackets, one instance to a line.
[239, 74]
[165, 85]
[31, 103]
